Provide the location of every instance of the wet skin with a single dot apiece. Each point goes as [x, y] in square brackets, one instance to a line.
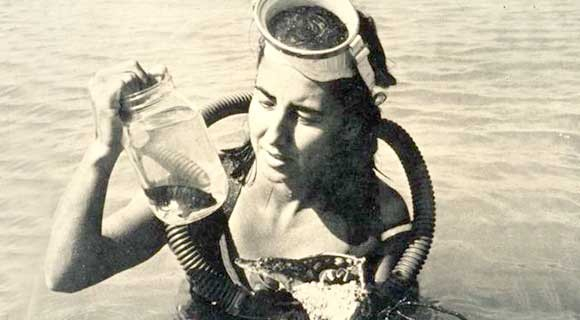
[293, 122]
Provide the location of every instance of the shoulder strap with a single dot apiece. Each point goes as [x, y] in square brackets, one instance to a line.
[395, 230]
[234, 189]
[236, 163]
[227, 249]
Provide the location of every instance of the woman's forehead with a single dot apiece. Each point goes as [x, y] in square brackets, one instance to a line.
[283, 81]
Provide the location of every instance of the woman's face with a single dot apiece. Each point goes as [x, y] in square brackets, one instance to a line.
[294, 124]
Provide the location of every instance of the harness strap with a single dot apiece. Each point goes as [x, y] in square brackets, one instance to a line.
[396, 230]
[226, 246]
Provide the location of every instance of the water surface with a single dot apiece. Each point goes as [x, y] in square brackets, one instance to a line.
[488, 89]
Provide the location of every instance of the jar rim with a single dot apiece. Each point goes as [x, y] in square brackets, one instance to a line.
[127, 101]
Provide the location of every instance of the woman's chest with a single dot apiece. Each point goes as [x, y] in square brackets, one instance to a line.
[256, 233]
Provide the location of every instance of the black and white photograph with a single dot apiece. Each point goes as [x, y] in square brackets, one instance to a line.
[290, 160]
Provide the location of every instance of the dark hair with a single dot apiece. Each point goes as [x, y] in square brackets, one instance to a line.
[356, 200]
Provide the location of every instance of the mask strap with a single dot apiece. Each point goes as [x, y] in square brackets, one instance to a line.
[360, 53]
[330, 68]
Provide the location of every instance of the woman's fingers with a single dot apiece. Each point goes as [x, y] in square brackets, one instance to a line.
[340, 275]
[108, 86]
[104, 93]
[135, 67]
[126, 66]
[107, 89]
[157, 72]
[131, 83]
[144, 79]
[328, 276]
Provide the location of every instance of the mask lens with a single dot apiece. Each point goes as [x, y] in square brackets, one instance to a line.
[312, 18]
[308, 27]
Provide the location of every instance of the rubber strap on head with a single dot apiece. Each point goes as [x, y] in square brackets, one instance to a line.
[360, 53]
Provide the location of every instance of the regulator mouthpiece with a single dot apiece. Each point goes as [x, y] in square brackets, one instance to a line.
[343, 60]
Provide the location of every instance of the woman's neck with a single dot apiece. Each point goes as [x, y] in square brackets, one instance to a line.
[279, 195]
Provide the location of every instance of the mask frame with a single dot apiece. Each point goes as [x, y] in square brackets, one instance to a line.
[341, 61]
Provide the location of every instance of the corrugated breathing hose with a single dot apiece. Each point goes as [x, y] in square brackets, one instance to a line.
[207, 282]
[233, 104]
[423, 226]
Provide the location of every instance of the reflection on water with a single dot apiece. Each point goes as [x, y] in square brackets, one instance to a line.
[488, 89]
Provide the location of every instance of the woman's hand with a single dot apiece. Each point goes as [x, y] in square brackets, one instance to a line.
[333, 276]
[83, 249]
[106, 89]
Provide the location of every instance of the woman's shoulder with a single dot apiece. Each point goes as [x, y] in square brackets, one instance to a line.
[393, 211]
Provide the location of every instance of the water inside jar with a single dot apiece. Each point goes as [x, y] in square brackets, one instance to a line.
[185, 179]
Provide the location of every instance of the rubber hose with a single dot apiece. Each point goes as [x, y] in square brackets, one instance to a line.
[212, 285]
[233, 104]
[423, 226]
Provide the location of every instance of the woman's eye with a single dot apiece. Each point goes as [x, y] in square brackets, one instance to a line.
[267, 104]
[308, 119]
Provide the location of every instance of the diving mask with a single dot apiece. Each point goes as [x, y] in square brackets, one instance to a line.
[341, 61]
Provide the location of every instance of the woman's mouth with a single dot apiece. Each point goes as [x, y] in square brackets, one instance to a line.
[276, 159]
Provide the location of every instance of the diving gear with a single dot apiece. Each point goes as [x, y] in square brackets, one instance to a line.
[215, 286]
[341, 61]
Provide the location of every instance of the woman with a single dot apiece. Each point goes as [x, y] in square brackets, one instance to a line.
[309, 188]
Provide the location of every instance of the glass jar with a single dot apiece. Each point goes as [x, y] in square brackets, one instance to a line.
[168, 145]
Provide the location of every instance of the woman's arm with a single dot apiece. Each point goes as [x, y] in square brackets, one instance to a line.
[394, 240]
[84, 250]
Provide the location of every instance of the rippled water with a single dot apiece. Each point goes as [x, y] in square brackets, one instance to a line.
[488, 89]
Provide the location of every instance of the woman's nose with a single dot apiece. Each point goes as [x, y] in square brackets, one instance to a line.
[278, 133]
